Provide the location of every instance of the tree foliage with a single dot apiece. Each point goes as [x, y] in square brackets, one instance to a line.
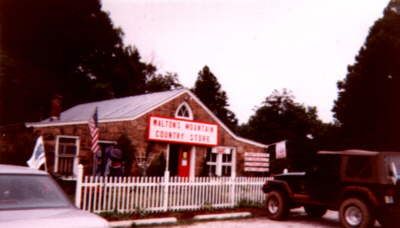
[367, 106]
[160, 82]
[281, 118]
[62, 47]
[208, 89]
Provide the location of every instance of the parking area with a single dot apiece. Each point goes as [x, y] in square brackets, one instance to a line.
[297, 218]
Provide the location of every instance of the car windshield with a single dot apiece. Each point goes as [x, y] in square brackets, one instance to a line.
[30, 192]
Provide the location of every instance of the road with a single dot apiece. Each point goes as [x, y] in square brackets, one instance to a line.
[297, 218]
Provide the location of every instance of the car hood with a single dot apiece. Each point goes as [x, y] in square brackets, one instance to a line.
[66, 217]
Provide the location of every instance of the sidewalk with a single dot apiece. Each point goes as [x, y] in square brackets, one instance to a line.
[174, 220]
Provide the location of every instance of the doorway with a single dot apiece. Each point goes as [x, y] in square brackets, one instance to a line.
[179, 160]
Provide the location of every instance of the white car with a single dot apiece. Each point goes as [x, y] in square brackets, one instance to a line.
[31, 198]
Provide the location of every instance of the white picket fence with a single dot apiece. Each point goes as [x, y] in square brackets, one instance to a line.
[155, 194]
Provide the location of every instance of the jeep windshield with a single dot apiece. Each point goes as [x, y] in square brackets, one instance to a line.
[393, 165]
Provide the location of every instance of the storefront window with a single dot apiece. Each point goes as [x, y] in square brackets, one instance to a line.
[220, 161]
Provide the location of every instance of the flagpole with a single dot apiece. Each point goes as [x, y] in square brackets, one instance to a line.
[94, 133]
[94, 164]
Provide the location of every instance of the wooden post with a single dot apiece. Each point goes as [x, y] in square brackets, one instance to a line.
[166, 190]
[78, 189]
[232, 186]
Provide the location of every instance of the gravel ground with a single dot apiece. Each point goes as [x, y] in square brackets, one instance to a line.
[297, 218]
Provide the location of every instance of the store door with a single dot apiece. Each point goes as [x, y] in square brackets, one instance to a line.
[179, 164]
[184, 161]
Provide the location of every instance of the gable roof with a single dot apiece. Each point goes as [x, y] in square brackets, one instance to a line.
[127, 108]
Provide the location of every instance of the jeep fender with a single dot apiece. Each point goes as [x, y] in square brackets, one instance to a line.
[359, 192]
[272, 185]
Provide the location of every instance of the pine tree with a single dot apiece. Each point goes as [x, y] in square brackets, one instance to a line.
[208, 89]
[367, 106]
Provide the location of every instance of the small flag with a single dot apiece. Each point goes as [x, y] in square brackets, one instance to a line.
[38, 157]
[94, 132]
[280, 150]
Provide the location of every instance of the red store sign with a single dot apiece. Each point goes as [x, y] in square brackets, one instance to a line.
[182, 131]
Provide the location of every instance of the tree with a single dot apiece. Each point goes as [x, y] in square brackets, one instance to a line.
[160, 82]
[208, 89]
[367, 106]
[61, 47]
[281, 118]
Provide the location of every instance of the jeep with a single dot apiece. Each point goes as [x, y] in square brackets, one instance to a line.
[361, 185]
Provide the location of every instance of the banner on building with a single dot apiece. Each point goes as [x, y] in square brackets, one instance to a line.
[280, 150]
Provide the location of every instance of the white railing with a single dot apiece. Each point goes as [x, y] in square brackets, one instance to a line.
[153, 194]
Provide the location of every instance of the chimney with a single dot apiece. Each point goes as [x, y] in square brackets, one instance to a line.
[55, 110]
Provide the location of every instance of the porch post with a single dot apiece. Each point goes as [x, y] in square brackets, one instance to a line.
[167, 162]
[166, 191]
[192, 163]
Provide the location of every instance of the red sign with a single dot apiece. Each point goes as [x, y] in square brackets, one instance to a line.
[182, 131]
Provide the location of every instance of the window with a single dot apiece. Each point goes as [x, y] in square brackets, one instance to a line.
[220, 161]
[184, 112]
[66, 160]
[359, 167]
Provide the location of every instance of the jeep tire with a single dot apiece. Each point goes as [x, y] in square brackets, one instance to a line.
[314, 211]
[354, 212]
[277, 205]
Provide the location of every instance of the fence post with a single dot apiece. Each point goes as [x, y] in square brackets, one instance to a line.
[78, 189]
[232, 184]
[166, 190]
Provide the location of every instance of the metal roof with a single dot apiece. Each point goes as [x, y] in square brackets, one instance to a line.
[128, 108]
[113, 109]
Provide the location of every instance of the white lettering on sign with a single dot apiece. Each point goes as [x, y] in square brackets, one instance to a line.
[174, 130]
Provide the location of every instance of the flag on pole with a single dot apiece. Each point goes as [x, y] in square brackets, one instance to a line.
[38, 157]
[280, 150]
[94, 132]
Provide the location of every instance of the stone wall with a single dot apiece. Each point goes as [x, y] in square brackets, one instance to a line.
[136, 132]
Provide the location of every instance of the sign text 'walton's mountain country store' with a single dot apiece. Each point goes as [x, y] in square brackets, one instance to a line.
[182, 131]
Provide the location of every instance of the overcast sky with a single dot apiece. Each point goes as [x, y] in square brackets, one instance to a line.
[252, 46]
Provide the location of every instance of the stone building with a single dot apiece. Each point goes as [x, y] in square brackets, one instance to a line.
[166, 132]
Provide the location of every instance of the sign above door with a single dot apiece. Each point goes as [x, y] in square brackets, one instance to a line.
[182, 131]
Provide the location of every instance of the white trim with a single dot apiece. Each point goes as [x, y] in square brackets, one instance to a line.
[233, 168]
[192, 163]
[149, 110]
[76, 157]
[108, 142]
[189, 109]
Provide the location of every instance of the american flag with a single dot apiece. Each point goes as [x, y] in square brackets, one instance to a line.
[94, 132]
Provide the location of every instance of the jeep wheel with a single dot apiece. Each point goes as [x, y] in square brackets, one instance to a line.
[277, 206]
[355, 213]
[315, 211]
